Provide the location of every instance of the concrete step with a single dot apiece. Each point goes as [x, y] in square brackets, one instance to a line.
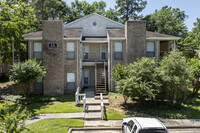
[93, 108]
[98, 97]
[92, 116]
[92, 101]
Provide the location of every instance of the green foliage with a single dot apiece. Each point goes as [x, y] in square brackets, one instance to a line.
[143, 79]
[168, 20]
[128, 8]
[16, 18]
[26, 73]
[176, 77]
[190, 44]
[13, 118]
[195, 65]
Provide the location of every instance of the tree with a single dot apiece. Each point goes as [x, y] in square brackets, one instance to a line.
[13, 118]
[80, 9]
[195, 65]
[56, 9]
[119, 76]
[168, 20]
[112, 14]
[16, 18]
[26, 73]
[142, 79]
[128, 8]
[176, 77]
[190, 44]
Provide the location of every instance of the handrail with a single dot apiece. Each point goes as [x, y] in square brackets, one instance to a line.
[105, 76]
[80, 98]
[102, 107]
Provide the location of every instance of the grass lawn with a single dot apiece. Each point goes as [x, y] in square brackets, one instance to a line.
[42, 104]
[118, 110]
[5, 83]
[53, 126]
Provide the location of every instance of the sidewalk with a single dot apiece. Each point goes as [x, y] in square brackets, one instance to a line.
[55, 116]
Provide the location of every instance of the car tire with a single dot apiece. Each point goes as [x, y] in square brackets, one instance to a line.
[123, 130]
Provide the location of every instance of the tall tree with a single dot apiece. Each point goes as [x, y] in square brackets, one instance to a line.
[128, 8]
[57, 9]
[168, 20]
[113, 14]
[16, 18]
[190, 44]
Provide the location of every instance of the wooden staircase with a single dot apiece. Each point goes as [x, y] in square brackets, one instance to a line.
[100, 78]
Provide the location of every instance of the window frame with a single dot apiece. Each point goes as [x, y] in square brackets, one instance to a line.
[38, 83]
[118, 52]
[74, 82]
[36, 52]
[150, 51]
[70, 52]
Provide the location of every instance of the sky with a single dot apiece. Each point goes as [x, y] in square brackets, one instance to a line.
[191, 8]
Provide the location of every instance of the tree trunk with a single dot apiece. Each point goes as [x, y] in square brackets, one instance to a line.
[196, 88]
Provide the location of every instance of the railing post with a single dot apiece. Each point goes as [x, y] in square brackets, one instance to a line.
[102, 106]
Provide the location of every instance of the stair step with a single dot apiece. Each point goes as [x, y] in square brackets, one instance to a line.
[93, 115]
[93, 108]
[98, 97]
[92, 101]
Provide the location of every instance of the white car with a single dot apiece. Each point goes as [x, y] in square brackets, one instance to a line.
[142, 125]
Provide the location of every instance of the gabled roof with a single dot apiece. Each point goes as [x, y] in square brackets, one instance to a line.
[68, 33]
[67, 24]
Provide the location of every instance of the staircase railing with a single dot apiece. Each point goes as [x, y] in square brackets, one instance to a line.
[80, 98]
[102, 107]
[105, 75]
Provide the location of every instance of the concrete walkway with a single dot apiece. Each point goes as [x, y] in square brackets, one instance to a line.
[55, 116]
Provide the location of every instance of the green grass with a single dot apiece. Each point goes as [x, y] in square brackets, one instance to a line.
[189, 110]
[6, 83]
[37, 104]
[114, 115]
[53, 126]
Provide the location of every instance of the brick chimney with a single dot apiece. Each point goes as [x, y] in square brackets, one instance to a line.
[135, 33]
[53, 57]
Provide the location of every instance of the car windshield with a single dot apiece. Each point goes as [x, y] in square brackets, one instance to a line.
[152, 131]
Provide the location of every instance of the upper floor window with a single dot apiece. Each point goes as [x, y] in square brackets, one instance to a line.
[150, 49]
[70, 50]
[38, 50]
[118, 50]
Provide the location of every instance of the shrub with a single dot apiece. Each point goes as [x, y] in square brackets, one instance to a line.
[4, 77]
[26, 73]
[142, 79]
[176, 77]
[12, 120]
[194, 63]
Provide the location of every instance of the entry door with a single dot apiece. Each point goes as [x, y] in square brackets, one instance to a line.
[103, 51]
[86, 77]
[86, 50]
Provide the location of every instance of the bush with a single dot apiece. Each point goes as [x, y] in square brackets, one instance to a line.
[26, 73]
[12, 120]
[176, 77]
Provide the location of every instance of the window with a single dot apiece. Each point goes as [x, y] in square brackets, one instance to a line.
[103, 49]
[70, 50]
[134, 129]
[38, 84]
[118, 50]
[130, 125]
[86, 51]
[38, 50]
[70, 81]
[150, 49]
[1, 69]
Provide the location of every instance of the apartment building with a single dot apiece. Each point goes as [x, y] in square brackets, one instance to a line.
[83, 52]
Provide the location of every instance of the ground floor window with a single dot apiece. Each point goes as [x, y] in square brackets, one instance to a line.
[1, 69]
[70, 81]
[38, 84]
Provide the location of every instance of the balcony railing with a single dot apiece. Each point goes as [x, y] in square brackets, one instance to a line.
[92, 57]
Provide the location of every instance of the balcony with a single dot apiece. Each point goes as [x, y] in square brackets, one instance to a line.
[94, 57]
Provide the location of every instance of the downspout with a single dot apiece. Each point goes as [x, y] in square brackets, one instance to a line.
[77, 63]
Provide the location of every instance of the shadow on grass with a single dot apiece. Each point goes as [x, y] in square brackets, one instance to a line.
[161, 110]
